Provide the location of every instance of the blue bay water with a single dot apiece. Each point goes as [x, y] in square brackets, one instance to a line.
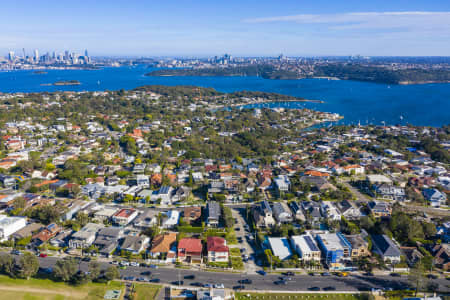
[424, 105]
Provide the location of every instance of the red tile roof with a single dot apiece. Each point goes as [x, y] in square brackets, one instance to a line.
[216, 244]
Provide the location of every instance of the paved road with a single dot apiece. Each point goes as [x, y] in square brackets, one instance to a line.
[230, 280]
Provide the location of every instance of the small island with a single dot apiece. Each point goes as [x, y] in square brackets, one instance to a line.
[67, 82]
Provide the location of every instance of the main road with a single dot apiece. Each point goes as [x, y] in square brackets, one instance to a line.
[259, 282]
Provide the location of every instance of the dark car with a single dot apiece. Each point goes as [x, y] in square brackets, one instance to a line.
[239, 287]
[86, 258]
[395, 275]
[197, 284]
[289, 273]
[368, 274]
[432, 276]
[192, 276]
[280, 282]
[146, 273]
[178, 282]
[314, 288]
[329, 288]
[245, 281]
[155, 280]
[261, 272]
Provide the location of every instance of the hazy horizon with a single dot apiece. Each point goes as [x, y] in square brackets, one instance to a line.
[240, 28]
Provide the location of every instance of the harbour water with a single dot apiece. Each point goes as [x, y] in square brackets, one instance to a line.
[358, 102]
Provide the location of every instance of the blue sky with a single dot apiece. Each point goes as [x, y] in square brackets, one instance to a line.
[245, 27]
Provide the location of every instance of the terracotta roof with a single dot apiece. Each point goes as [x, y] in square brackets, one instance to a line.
[161, 243]
[190, 245]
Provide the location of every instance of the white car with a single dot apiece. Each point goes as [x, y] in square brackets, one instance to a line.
[124, 263]
[134, 264]
[219, 286]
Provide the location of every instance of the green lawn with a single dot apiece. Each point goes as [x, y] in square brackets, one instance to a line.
[146, 291]
[294, 296]
[45, 289]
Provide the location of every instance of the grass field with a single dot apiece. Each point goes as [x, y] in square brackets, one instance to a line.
[44, 289]
[146, 291]
[294, 296]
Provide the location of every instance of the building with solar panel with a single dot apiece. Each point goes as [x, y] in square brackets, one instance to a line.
[306, 247]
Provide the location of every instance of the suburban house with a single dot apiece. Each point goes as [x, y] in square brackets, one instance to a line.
[388, 191]
[217, 249]
[435, 197]
[306, 247]
[46, 234]
[192, 214]
[134, 244]
[281, 213]
[441, 255]
[85, 237]
[124, 216]
[380, 209]
[147, 219]
[190, 250]
[282, 183]
[412, 255]
[262, 215]
[163, 244]
[108, 240]
[214, 212]
[349, 210]
[360, 247]
[163, 195]
[385, 247]
[298, 213]
[171, 218]
[330, 211]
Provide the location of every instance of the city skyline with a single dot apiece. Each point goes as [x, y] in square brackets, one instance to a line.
[241, 28]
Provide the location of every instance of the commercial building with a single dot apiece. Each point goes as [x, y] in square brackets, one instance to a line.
[9, 225]
[335, 249]
[280, 247]
[306, 247]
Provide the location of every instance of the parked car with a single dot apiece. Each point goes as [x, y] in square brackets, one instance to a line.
[329, 288]
[192, 276]
[154, 266]
[314, 288]
[155, 280]
[219, 286]
[43, 255]
[261, 272]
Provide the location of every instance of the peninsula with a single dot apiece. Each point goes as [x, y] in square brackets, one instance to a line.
[378, 73]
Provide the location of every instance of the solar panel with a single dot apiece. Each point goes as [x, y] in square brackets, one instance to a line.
[310, 243]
